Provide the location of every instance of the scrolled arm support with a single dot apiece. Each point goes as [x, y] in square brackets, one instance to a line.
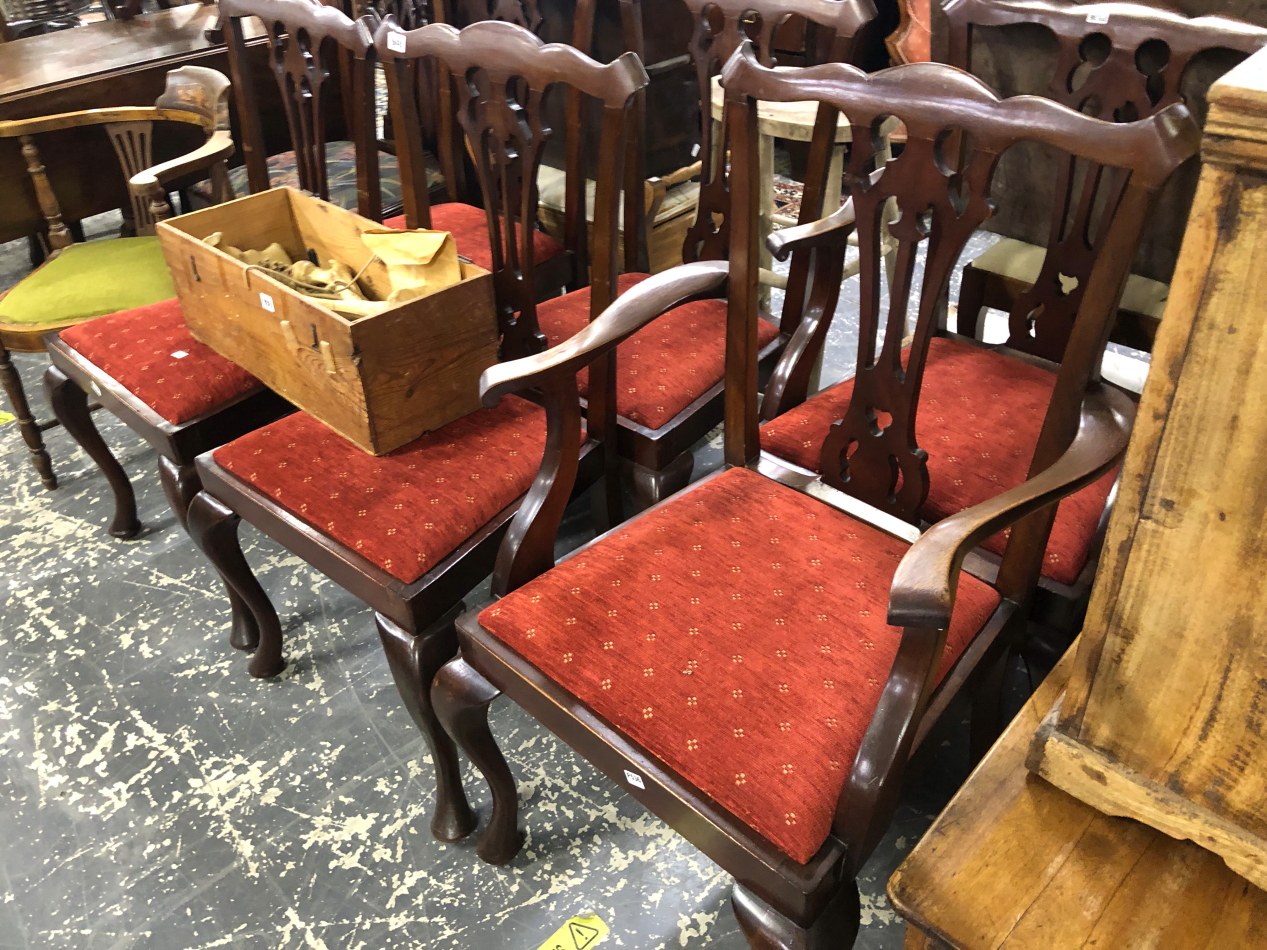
[869, 798]
[633, 310]
[217, 148]
[825, 232]
[831, 230]
[923, 591]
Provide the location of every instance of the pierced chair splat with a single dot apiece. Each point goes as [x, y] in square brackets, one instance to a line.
[1114, 61]
[755, 658]
[972, 458]
[413, 532]
[323, 62]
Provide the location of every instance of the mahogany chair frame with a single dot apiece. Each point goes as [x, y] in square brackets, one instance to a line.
[1117, 87]
[194, 95]
[660, 460]
[415, 620]
[780, 903]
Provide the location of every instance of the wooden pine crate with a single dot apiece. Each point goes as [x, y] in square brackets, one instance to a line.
[378, 381]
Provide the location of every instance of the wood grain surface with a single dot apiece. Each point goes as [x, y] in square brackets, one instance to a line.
[1164, 715]
[1013, 863]
[380, 381]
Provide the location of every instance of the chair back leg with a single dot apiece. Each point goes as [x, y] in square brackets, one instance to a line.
[461, 697]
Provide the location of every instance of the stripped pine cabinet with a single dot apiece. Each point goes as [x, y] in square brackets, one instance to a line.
[1163, 719]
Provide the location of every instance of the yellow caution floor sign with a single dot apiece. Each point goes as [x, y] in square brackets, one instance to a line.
[578, 933]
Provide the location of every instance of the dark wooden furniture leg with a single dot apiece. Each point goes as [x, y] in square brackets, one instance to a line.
[461, 697]
[767, 929]
[70, 406]
[414, 660]
[651, 486]
[180, 485]
[214, 528]
[31, 434]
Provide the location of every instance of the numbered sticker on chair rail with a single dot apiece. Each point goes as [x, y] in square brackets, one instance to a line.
[634, 779]
[579, 933]
[1100, 18]
[266, 301]
[396, 42]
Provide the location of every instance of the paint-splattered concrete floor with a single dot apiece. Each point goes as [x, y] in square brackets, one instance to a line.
[153, 795]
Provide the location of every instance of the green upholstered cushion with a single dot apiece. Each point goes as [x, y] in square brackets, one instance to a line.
[90, 279]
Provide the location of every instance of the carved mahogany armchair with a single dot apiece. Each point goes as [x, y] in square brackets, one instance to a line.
[412, 532]
[755, 658]
[83, 281]
[1116, 62]
[970, 459]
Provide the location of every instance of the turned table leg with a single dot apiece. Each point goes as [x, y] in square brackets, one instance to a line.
[30, 429]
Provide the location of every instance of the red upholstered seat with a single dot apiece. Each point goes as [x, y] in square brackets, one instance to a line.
[666, 365]
[737, 633]
[469, 227]
[151, 353]
[407, 510]
[980, 414]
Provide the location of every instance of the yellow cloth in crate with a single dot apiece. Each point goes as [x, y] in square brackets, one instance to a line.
[419, 262]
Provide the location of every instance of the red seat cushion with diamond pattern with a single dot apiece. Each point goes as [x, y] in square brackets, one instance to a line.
[407, 510]
[469, 227]
[666, 365]
[137, 349]
[737, 633]
[980, 414]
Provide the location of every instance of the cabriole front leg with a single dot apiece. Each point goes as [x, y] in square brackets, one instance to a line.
[70, 405]
[414, 660]
[181, 484]
[214, 528]
[766, 929]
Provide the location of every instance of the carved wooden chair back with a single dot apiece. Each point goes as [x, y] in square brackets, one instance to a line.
[1118, 62]
[305, 40]
[432, 95]
[502, 75]
[956, 131]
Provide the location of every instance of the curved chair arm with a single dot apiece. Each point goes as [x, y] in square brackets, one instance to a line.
[657, 189]
[216, 149]
[921, 600]
[632, 310]
[11, 128]
[825, 231]
[923, 591]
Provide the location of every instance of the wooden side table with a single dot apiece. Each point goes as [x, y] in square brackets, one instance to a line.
[1013, 863]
